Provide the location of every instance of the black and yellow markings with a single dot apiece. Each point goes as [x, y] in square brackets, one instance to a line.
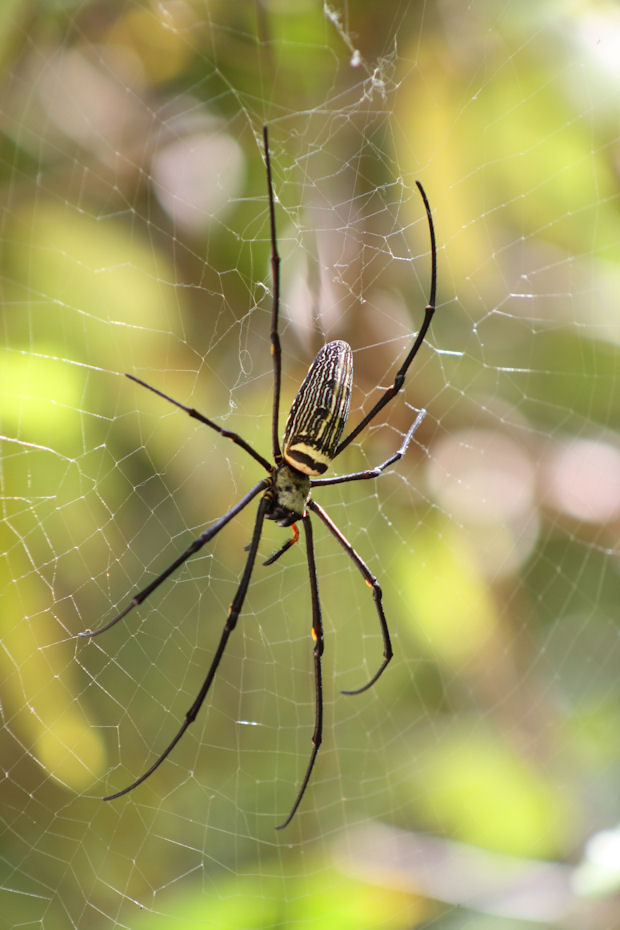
[320, 410]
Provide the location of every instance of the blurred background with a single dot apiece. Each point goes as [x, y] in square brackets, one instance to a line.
[477, 783]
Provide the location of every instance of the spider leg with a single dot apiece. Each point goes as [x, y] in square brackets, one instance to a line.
[276, 351]
[231, 622]
[372, 583]
[228, 434]
[317, 636]
[193, 547]
[284, 547]
[392, 391]
[376, 471]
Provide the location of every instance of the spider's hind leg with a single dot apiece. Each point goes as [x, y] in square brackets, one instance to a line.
[372, 583]
[317, 652]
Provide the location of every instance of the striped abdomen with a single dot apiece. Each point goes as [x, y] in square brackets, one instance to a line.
[320, 410]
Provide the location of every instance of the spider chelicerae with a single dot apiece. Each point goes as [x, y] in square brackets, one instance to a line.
[311, 441]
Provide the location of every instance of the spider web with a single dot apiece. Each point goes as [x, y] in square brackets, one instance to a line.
[476, 784]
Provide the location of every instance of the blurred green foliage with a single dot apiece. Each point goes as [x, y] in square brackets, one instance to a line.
[496, 723]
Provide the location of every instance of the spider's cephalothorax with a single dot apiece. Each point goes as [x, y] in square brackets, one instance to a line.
[288, 495]
[312, 440]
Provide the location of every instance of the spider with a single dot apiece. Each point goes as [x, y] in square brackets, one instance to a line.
[312, 440]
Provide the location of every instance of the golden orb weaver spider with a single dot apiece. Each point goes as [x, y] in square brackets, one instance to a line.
[312, 440]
